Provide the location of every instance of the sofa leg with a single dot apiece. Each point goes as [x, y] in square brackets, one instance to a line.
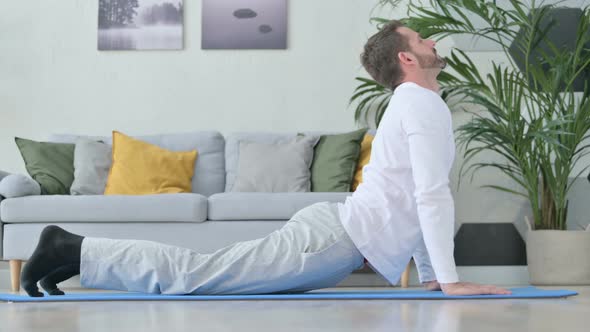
[15, 267]
[406, 277]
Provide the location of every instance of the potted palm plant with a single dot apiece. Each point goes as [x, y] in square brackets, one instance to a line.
[533, 113]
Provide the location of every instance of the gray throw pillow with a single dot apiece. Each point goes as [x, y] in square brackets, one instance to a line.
[92, 162]
[18, 185]
[232, 149]
[279, 167]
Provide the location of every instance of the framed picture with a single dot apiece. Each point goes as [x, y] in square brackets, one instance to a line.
[244, 24]
[140, 24]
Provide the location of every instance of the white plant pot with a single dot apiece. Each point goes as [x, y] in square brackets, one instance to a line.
[557, 257]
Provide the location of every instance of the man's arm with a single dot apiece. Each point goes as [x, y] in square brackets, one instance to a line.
[431, 146]
[431, 156]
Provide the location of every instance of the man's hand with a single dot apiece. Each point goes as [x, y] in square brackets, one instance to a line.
[468, 288]
[431, 285]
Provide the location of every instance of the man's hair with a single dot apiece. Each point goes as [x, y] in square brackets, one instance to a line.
[380, 56]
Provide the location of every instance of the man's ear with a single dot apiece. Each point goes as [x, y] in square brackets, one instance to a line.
[406, 58]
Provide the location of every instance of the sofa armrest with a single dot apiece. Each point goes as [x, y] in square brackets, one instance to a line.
[1, 239]
[2, 176]
[18, 185]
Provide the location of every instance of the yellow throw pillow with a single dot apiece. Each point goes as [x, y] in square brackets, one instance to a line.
[140, 168]
[363, 160]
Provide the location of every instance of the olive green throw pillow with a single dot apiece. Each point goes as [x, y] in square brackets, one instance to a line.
[334, 161]
[50, 164]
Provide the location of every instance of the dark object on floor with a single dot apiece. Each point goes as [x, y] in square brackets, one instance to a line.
[478, 244]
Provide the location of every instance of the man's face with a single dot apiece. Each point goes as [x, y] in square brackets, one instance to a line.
[423, 49]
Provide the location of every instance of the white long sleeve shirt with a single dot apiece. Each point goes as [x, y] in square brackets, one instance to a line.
[404, 206]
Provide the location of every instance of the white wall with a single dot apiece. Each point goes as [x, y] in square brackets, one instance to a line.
[53, 79]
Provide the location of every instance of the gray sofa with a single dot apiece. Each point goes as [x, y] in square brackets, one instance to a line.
[205, 220]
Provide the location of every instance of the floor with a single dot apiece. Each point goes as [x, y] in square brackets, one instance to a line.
[570, 314]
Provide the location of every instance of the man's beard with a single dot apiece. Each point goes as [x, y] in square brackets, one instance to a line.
[431, 61]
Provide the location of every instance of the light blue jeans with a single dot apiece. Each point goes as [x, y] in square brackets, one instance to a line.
[312, 250]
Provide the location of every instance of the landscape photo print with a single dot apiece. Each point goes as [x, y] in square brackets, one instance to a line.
[140, 24]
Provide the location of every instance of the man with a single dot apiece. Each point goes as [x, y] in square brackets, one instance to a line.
[403, 208]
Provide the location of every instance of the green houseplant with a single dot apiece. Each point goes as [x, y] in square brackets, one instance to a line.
[526, 111]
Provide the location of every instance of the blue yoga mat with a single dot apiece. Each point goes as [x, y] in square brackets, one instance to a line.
[520, 293]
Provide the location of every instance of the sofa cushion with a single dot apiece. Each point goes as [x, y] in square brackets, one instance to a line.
[334, 161]
[50, 164]
[265, 206]
[364, 158]
[3, 174]
[92, 162]
[141, 168]
[207, 237]
[18, 185]
[275, 167]
[232, 149]
[209, 175]
[185, 207]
